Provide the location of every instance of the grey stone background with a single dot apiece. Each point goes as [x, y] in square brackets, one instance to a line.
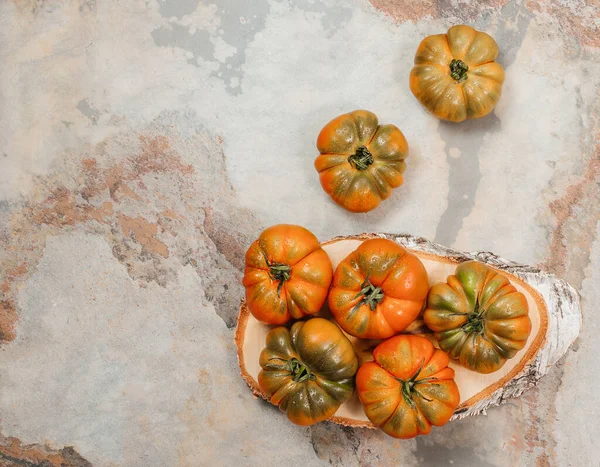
[145, 144]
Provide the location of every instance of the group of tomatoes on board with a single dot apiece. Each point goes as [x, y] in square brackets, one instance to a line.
[477, 317]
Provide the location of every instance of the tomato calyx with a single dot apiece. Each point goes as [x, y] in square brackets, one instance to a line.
[279, 272]
[370, 294]
[409, 388]
[298, 370]
[458, 70]
[361, 159]
[475, 319]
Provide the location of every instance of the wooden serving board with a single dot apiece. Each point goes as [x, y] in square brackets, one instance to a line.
[554, 310]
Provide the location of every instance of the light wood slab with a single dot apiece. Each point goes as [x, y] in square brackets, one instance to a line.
[554, 310]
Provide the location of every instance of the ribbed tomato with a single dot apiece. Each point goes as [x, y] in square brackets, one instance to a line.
[408, 387]
[287, 274]
[456, 76]
[378, 290]
[360, 161]
[478, 317]
[308, 370]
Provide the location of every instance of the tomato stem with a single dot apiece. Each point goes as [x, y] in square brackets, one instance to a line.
[361, 159]
[370, 294]
[279, 272]
[409, 387]
[475, 320]
[299, 371]
[458, 70]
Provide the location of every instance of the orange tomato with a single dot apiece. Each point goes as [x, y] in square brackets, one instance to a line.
[478, 317]
[360, 161]
[455, 76]
[287, 274]
[378, 290]
[408, 388]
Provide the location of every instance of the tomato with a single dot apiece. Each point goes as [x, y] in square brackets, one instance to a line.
[408, 387]
[308, 370]
[360, 161]
[455, 76]
[478, 317]
[378, 290]
[287, 274]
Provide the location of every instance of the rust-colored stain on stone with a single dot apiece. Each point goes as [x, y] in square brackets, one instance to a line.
[8, 313]
[156, 156]
[61, 209]
[411, 10]
[170, 214]
[151, 207]
[540, 415]
[582, 195]
[8, 317]
[415, 10]
[14, 453]
[230, 243]
[125, 191]
[154, 150]
[577, 18]
[144, 233]
[70, 206]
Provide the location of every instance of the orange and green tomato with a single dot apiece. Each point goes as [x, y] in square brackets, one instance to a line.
[360, 161]
[287, 274]
[478, 317]
[378, 290]
[308, 370]
[455, 75]
[408, 387]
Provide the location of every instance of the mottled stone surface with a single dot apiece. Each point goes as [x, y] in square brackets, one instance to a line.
[144, 144]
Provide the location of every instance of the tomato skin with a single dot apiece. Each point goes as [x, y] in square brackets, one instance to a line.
[388, 266]
[325, 353]
[299, 255]
[354, 186]
[408, 387]
[444, 87]
[478, 317]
